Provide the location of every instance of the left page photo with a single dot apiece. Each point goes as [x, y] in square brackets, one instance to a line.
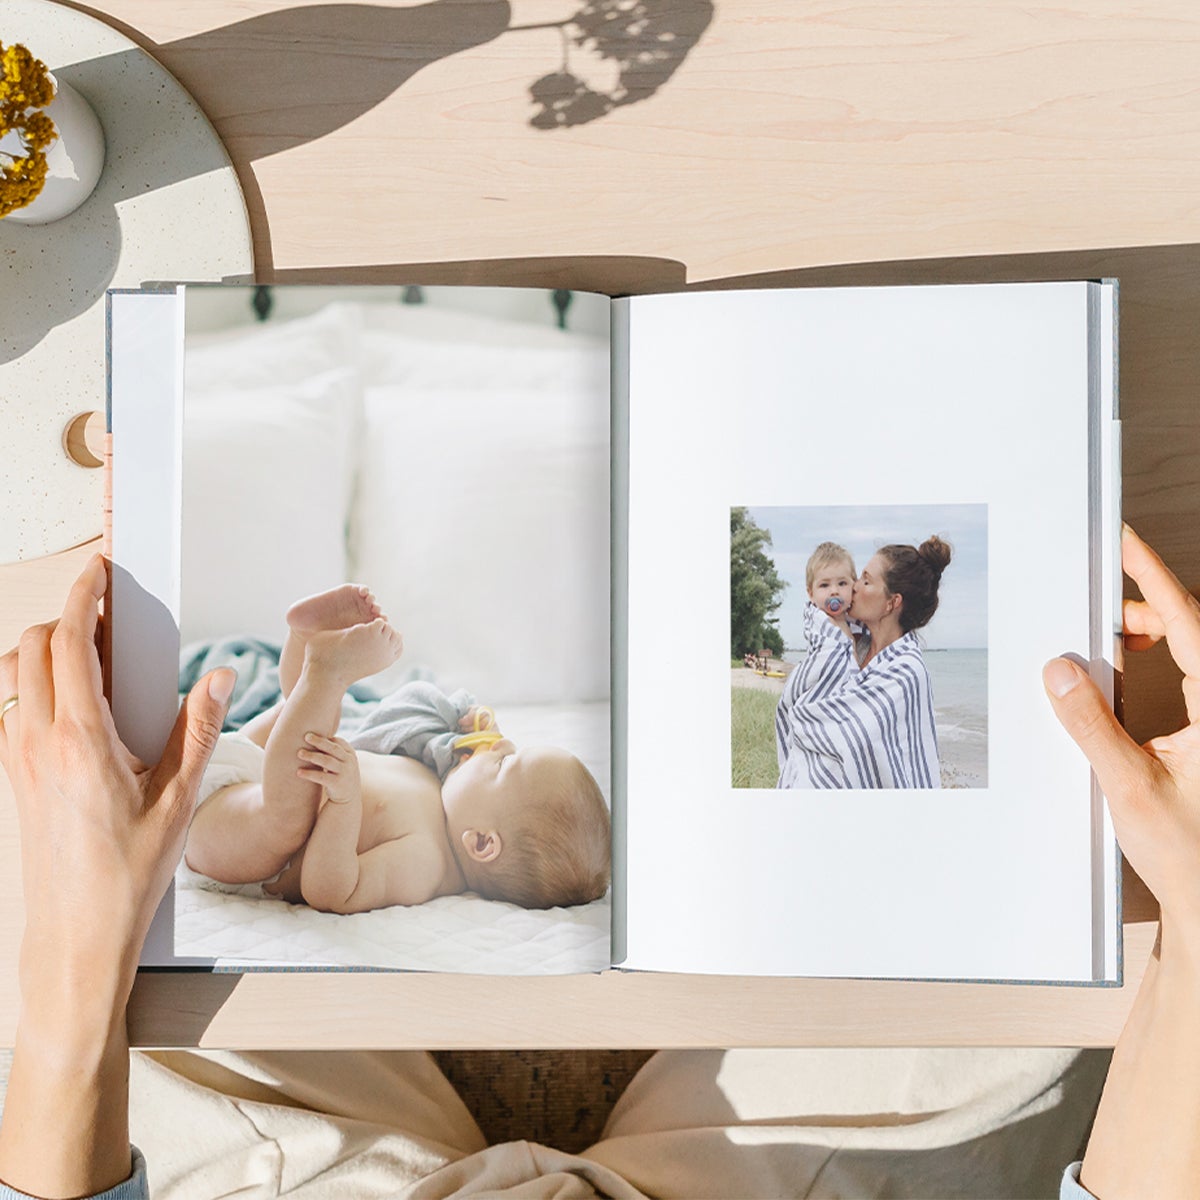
[388, 510]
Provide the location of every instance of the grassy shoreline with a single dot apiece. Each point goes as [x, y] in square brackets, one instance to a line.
[754, 760]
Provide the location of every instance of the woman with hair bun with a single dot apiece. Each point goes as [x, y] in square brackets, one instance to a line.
[877, 729]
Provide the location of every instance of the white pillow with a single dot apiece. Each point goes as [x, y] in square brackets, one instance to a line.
[423, 346]
[482, 525]
[272, 353]
[392, 359]
[268, 475]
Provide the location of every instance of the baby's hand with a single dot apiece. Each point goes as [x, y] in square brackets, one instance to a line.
[335, 767]
[478, 712]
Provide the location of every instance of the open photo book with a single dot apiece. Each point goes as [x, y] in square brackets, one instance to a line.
[693, 632]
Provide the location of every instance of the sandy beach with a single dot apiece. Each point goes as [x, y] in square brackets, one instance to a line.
[745, 678]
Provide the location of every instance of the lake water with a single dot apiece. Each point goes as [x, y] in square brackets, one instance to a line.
[960, 706]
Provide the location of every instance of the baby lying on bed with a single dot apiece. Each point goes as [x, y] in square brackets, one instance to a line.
[297, 812]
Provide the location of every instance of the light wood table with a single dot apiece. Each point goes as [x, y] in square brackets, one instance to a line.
[916, 142]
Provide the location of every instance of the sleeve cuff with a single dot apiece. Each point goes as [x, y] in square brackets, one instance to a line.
[133, 1188]
[1071, 1188]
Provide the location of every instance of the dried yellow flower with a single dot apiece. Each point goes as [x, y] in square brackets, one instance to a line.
[25, 87]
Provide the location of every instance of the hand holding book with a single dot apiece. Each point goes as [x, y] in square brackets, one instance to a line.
[1153, 791]
[101, 830]
[101, 834]
[1146, 1137]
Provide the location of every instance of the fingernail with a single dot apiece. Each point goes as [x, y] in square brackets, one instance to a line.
[1060, 676]
[221, 685]
[99, 579]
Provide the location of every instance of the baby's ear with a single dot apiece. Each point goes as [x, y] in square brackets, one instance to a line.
[482, 847]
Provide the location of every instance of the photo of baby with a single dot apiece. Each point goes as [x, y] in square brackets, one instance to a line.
[395, 529]
[427, 800]
[859, 677]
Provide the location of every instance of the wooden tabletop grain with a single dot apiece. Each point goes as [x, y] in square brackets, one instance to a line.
[560, 143]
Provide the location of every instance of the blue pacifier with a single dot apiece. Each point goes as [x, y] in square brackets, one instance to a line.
[834, 604]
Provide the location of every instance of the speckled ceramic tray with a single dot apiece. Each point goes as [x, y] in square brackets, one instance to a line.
[168, 206]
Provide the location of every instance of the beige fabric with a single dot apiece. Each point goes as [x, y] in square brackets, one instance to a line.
[526, 1171]
[745, 1123]
[312, 1125]
[854, 1123]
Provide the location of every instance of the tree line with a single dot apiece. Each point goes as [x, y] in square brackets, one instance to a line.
[755, 588]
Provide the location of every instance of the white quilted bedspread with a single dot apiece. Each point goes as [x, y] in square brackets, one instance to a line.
[453, 933]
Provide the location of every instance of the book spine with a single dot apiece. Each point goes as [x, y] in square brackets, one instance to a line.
[106, 535]
[106, 548]
[1104, 538]
[619, 584]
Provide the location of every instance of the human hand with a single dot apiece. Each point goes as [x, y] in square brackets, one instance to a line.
[477, 718]
[101, 831]
[1153, 790]
[334, 767]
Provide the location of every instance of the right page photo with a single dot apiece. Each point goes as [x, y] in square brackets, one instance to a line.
[806, 625]
[859, 522]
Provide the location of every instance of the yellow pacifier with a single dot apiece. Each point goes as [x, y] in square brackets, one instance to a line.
[482, 736]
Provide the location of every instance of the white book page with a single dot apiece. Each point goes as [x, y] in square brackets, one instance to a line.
[146, 394]
[453, 457]
[973, 396]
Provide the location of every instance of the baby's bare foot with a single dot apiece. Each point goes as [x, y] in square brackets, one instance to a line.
[354, 653]
[338, 608]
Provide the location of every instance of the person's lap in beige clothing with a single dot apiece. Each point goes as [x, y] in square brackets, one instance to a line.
[743, 1123]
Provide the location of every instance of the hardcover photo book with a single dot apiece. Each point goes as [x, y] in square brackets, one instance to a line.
[690, 632]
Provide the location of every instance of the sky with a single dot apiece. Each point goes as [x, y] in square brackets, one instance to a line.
[961, 619]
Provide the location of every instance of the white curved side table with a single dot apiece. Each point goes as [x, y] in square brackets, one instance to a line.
[168, 207]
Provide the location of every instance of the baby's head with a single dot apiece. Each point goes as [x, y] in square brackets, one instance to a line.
[529, 826]
[830, 576]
